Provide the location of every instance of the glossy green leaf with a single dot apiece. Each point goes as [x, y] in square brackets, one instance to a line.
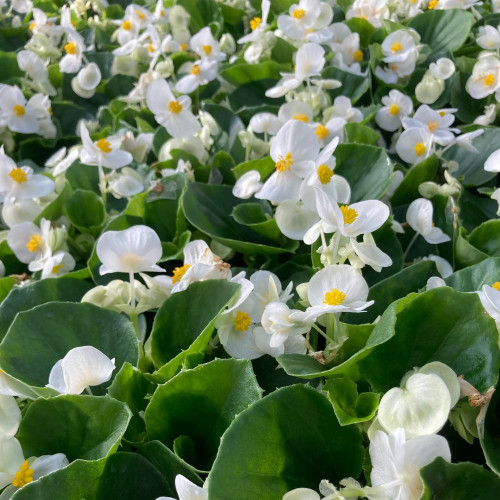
[85, 209]
[40, 337]
[464, 253]
[353, 85]
[486, 238]
[86, 427]
[489, 433]
[239, 74]
[472, 278]
[361, 134]
[256, 217]
[206, 399]
[290, 439]
[37, 293]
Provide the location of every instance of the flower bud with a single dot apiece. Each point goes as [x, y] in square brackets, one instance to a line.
[429, 89]
[227, 43]
[124, 65]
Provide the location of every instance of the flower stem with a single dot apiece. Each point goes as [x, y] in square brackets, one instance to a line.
[412, 241]
[321, 332]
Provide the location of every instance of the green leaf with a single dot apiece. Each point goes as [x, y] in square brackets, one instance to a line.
[86, 427]
[85, 209]
[470, 164]
[206, 399]
[290, 439]
[265, 167]
[351, 408]
[465, 254]
[489, 436]
[464, 481]
[208, 207]
[444, 31]
[131, 476]
[438, 325]
[486, 238]
[76, 481]
[37, 293]
[361, 134]
[368, 170]
[40, 337]
[184, 323]
[473, 278]
[253, 216]
[202, 13]
[239, 74]
[10, 68]
[353, 85]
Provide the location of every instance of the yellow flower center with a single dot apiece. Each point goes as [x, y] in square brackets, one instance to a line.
[349, 214]
[255, 23]
[394, 109]
[358, 55]
[432, 126]
[18, 174]
[241, 321]
[104, 145]
[284, 163]
[184, 46]
[334, 297]
[298, 13]
[140, 15]
[23, 476]
[34, 242]
[32, 26]
[321, 131]
[57, 268]
[207, 49]
[396, 47]
[126, 25]
[19, 110]
[301, 117]
[70, 48]
[432, 4]
[179, 272]
[150, 47]
[324, 174]
[419, 148]
[489, 80]
[496, 285]
[175, 107]
[195, 70]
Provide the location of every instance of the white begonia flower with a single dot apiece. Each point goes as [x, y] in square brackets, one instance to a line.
[281, 322]
[247, 185]
[293, 151]
[434, 282]
[126, 184]
[82, 367]
[342, 108]
[10, 417]
[187, 490]
[421, 407]
[198, 73]
[301, 494]
[16, 112]
[133, 250]
[374, 11]
[265, 123]
[336, 289]
[295, 110]
[172, 113]
[30, 242]
[489, 116]
[414, 145]
[351, 220]
[87, 80]
[438, 125]
[55, 265]
[204, 44]
[443, 68]
[258, 24]
[465, 141]
[138, 146]
[429, 89]
[492, 163]
[397, 106]
[295, 218]
[31, 63]
[485, 78]
[346, 49]
[9, 386]
[489, 38]
[19, 183]
[74, 48]
[16, 472]
[443, 266]
[60, 161]
[490, 299]
[401, 51]
[21, 6]
[447, 375]
[302, 17]
[419, 217]
[104, 152]
[370, 254]
[396, 461]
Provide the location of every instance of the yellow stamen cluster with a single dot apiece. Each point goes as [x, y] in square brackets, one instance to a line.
[140, 15]
[126, 25]
[70, 48]
[349, 214]
[419, 148]
[56, 268]
[34, 242]
[396, 47]
[255, 23]
[104, 145]
[301, 117]
[432, 4]
[324, 174]
[334, 297]
[298, 13]
[284, 163]
[321, 132]
[19, 110]
[394, 109]
[18, 174]
[175, 107]
[32, 26]
[150, 47]
[241, 321]
[184, 47]
[179, 272]
[489, 80]
[358, 55]
[195, 70]
[207, 49]
[23, 476]
[496, 285]
[432, 126]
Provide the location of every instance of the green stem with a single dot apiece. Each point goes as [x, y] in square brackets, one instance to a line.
[321, 332]
[88, 390]
[102, 185]
[412, 241]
